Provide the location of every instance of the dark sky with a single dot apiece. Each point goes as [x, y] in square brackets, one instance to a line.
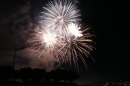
[108, 18]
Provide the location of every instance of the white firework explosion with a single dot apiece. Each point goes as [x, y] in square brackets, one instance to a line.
[58, 14]
[50, 39]
[74, 30]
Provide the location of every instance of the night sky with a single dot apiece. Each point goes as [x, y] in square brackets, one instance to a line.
[108, 18]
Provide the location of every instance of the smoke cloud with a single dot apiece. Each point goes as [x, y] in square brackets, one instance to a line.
[15, 25]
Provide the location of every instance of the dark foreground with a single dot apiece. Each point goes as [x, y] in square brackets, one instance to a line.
[38, 84]
[50, 84]
[36, 77]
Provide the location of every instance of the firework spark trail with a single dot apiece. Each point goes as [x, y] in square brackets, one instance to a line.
[61, 34]
[71, 50]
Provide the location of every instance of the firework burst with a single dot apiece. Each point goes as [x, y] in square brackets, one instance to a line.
[58, 14]
[42, 39]
[76, 46]
[61, 33]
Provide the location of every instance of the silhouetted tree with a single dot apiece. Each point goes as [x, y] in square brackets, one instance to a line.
[57, 75]
[33, 77]
[26, 74]
[72, 75]
[38, 75]
[47, 76]
[62, 74]
[5, 72]
[16, 74]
